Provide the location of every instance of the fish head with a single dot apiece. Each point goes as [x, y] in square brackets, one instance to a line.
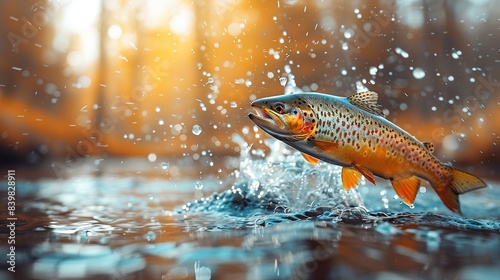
[285, 117]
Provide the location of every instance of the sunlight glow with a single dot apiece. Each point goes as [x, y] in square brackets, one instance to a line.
[182, 22]
[79, 18]
[114, 31]
[79, 15]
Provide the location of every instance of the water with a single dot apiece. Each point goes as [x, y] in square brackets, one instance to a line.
[274, 217]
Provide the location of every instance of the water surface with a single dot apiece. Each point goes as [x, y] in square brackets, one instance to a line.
[274, 217]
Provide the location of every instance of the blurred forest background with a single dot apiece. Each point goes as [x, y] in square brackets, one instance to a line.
[174, 79]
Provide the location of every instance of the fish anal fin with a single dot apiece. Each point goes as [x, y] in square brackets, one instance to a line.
[429, 146]
[350, 178]
[310, 159]
[407, 188]
[366, 173]
[367, 100]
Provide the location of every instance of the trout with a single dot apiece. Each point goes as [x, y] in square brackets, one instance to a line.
[352, 132]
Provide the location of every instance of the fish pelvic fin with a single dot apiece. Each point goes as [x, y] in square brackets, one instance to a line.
[366, 173]
[460, 183]
[406, 188]
[310, 159]
[350, 178]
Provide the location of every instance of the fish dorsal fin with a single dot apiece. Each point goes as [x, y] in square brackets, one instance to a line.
[350, 178]
[366, 100]
[429, 146]
[406, 188]
[310, 159]
[366, 173]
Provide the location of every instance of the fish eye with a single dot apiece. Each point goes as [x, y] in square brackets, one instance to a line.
[279, 108]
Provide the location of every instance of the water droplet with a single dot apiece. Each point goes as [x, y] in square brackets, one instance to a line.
[151, 197]
[254, 185]
[234, 105]
[401, 52]
[360, 87]
[152, 157]
[150, 236]
[260, 222]
[196, 129]
[418, 73]
[348, 33]
[164, 165]
[456, 55]
[283, 81]
[198, 185]
[373, 71]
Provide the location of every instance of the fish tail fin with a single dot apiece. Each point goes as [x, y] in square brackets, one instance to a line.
[461, 182]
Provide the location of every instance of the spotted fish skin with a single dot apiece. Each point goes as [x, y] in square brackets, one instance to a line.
[358, 136]
[352, 132]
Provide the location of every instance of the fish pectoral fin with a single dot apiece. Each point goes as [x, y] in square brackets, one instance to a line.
[323, 146]
[429, 146]
[407, 188]
[310, 159]
[367, 101]
[350, 178]
[365, 172]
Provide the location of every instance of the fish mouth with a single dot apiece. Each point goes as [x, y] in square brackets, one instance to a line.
[272, 123]
[266, 117]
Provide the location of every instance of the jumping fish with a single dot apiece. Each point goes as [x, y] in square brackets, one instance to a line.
[352, 132]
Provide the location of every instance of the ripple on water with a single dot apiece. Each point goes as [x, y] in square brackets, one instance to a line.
[283, 187]
[82, 260]
[282, 180]
[262, 229]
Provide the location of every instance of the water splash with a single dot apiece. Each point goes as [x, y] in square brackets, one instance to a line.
[281, 182]
[281, 186]
[290, 85]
